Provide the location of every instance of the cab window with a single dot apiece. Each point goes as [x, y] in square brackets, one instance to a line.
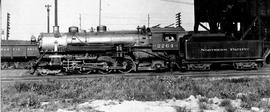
[169, 37]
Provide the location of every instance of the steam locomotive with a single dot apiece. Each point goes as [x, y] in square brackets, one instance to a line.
[153, 49]
[236, 34]
[109, 51]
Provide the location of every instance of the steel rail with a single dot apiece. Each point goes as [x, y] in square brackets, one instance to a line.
[195, 75]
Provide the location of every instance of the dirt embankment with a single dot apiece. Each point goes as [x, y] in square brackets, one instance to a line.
[113, 92]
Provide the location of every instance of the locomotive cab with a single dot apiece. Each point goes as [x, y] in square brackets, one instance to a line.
[163, 50]
[167, 39]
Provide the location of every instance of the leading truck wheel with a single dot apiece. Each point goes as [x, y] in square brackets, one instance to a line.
[127, 65]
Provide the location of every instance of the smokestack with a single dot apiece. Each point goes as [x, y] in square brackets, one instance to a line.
[55, 27]
[56, 21]
[99, 12]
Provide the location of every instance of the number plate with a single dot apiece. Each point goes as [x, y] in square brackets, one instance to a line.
[165, 46]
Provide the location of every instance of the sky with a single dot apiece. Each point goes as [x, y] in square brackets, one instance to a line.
[29, 17]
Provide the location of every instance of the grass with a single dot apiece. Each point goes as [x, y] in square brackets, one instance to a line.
[181, 109]
[31, 94]
[203, 103]
[227, 105]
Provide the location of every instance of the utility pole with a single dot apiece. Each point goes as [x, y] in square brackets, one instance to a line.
[48, 17]
[148, 20]
[1, 29]
[178, 20]
[80, 18]
[99, 12]
[8, 25]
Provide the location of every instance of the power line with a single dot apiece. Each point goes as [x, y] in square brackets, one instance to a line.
[180, 2]
[148, 20]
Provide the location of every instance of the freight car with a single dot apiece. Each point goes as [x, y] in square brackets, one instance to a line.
[18, 53]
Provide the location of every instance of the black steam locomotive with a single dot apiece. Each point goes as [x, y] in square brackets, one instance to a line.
[105, 52]
[143, 49]
[236, 33]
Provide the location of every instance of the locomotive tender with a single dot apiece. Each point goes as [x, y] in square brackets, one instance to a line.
[245, 24]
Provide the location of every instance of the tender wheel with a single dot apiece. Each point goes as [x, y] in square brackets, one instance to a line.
[127, 64]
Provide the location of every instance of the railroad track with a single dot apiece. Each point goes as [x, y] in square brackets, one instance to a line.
[265, 72]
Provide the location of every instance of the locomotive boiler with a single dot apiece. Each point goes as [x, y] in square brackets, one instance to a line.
[112, 51]
[74, 38]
